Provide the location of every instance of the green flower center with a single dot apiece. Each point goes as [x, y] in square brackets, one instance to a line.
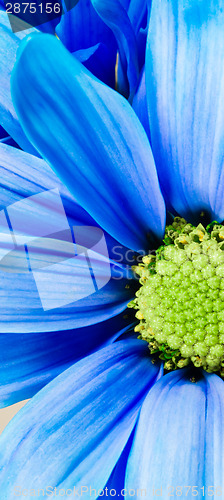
[180, 303]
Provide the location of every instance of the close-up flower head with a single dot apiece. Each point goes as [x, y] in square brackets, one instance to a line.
[112, 249]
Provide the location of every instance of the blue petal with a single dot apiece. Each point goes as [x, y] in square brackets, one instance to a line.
[81, 28]
[137, 13]
[125, 4]
[179, 437]
[31, 360]
[184, 78]
[74, 430]
[116, 17]
[8, 118]
[99, 61]
[92, 137]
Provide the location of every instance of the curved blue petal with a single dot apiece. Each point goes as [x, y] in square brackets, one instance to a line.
[179, 438]
[74, 430]
[92, 137]
[115, 16]
[31, 360]
[8, 118]
[184, 78]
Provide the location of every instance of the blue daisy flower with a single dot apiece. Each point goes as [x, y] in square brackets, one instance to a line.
[112, 424]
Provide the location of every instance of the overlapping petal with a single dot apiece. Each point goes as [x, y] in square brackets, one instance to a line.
[184, 78]
[74, 430]
[93, 139]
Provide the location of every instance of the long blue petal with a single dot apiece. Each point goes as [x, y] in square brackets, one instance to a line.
[31, 360]
[74, 430]
[92, 137]
[178, 445]
[8, 118]
[184, 78]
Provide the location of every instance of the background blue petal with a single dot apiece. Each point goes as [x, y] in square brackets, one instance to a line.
[80, 29]
[99, 61]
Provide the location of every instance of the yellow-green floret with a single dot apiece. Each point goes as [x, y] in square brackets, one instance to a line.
[180, 303]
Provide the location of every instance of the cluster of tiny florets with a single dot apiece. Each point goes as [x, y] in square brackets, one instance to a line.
[180, 303]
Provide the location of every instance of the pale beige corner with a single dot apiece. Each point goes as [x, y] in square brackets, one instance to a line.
[6, 414]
